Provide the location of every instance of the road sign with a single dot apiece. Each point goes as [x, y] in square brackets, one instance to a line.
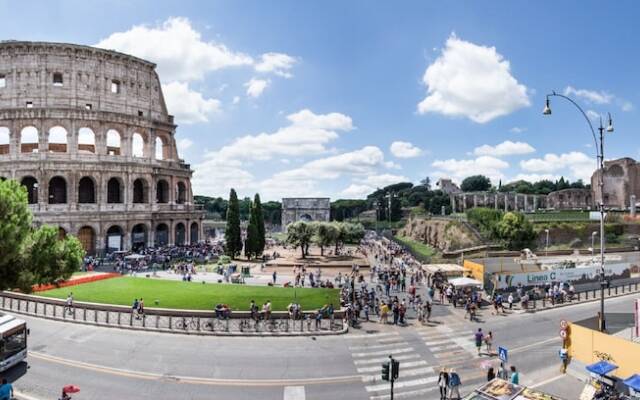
[564, 324]
[502, 353]
[563, 333]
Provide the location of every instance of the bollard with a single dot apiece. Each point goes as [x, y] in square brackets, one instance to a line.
[170, 322]
[95, 316]
[594, 293]
[54, 310]
[609, 291]
[107, 319]
[157, 321]
[119, 314]
[616, 291]
[544, 299]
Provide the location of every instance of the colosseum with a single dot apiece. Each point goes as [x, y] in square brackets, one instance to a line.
[87, 132]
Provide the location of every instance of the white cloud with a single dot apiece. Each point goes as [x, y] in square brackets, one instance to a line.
[536, 177]
[459, 169]
[590, 96]
[214, 177]
[626, 105]
[307, 134]
[356, 191]
[236, 100]
[364, 161]
[179, 50]
[594, 116]
[184, 144]
[506, 148]
[579, 164]
[404, 150]
[517, 129]
[278, 63]
[468, 80]
[255, 87]
[188, 106]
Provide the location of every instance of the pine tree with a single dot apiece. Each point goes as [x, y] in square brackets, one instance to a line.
[260, 224]
[232, 233]
[252, 242]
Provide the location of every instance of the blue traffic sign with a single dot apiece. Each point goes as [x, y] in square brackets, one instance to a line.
[502, 353]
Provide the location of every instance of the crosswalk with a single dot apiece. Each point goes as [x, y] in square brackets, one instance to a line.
[417, 376]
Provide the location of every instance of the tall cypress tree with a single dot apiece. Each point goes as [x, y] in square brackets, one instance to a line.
[232, 234]
[251, 243]
[260, 225]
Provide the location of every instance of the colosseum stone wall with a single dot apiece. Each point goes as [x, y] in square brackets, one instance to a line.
[87, 132]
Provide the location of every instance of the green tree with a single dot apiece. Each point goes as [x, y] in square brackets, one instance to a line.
[396, 208]
[300, 234]
[257, 205]
[325, 234]
[515, 231]
[15, 224]
[435, 200]
[485, 219]
[476, 183]
[252, 242]
[232, 234]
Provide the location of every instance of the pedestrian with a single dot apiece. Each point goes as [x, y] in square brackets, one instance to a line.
[490, 374]
[454, 384]
[275, 276]
[515, 376]
[479, 336]
[141, 307]
[488, 341]
[366, 312]
[69, 304]
[502, 372]
[428, 310]
[6, 390]
[443, 383]
[510, 301]
[134, 308]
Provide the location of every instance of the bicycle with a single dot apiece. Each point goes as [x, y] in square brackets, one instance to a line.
[185, 323]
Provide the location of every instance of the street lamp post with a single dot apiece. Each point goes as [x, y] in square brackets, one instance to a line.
[600, 156]
[593, 242]
[546, 246]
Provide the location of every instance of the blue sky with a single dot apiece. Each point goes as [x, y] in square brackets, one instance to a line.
[291, 98]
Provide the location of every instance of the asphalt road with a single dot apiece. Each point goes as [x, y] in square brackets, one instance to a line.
[121, 364]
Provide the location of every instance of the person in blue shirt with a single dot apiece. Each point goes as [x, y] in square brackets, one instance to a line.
[515, 377]
[6, 390]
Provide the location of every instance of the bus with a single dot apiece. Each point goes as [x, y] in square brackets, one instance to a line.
[13, 342]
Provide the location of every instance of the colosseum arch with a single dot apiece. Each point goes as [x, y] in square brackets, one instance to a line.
[86, 141]
[140, 191]
[115, 235]
[113, 142]
[139, 236]
[115, 192]
[87, 237]
[162, 191]
[194, 233]
[86, 190]
[57, 190]
[181, 193]
[162, 235]
[29, 139]
[615, 171]
[5, 140]
[180, 234]
[57, 139]
[137, 145]
[159, 149]
[31, 184]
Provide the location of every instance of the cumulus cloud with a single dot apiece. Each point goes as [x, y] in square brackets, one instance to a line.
[184, 144]
[307, 134]
[215, 177]
[187, 105]
[459, 169]
[404, 150]
[179, 50]
[473, 81]
[517, 129]
[579, 164]
[591, 96]
[356, 191]
[255, 87]
[278, 63]
[593, 115]
[536, 177]
[506, 148]
[360, 188]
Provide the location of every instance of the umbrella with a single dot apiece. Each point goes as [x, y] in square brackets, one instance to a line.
[601, 367]
[633, 382]
[71, 389]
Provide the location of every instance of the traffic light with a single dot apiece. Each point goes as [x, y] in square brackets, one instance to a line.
[385, 371]
[395, 369]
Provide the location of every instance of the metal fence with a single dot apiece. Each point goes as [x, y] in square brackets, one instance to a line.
[174, 321]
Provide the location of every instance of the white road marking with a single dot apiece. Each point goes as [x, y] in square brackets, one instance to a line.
[396, 339]
[403, 395]
[383, 352]
[21, 396]
[435, 342]
[375, 346]
[383, 359]
[408, 364]
[371, 335]
[446, 347]
[294, 393]
[403, 373]
[399, 385]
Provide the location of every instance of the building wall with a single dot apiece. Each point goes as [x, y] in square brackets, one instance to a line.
[621, 180]
[567, 199]
[45, 141]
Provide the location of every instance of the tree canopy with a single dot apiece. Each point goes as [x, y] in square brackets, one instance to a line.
[475, 183]
[232, 233]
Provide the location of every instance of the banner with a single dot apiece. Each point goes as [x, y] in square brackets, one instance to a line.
[573, 275]
[113, 242]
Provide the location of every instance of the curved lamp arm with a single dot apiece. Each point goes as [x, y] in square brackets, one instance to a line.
[593, 132]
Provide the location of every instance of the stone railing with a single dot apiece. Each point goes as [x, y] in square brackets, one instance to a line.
[194, 322]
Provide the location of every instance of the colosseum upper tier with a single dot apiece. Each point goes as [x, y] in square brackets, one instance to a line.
[87, 132]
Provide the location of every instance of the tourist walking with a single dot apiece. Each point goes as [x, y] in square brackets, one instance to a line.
[443, 383]
[479, 337]
[6, 390]
[490, 374]
[515, 376]
[454, 384]
[488, 341]
[502, 372]
[69, 304]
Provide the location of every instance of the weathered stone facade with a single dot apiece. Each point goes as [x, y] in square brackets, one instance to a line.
[87, 132]
[305, 209]
[505, 201]
[448, 186]
[567, 199]
[621, 181]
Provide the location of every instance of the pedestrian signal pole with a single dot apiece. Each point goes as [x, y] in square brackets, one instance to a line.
[390, 372]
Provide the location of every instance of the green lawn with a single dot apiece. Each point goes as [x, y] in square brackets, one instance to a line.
[422, 251]
[553, 216]
[192, 295]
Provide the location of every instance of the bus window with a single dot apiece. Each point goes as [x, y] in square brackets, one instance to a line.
[14, 344]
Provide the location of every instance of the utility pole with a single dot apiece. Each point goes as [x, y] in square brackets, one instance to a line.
[391, 372]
